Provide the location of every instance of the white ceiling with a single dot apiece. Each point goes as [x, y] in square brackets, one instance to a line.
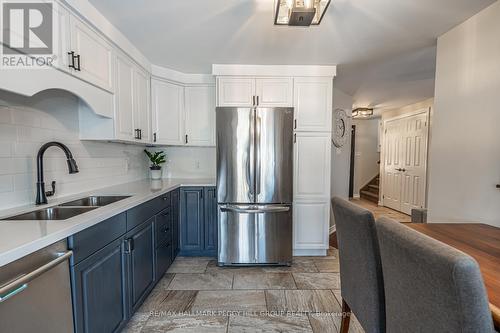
[385, 49]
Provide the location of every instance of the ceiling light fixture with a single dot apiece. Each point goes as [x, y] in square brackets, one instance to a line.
[300, 12]
[362, 112]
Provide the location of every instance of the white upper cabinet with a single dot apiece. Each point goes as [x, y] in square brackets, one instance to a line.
[312, 166]
[93, 55]
[200, 115]
[274, 92]
[124, 101]
[236, 91]
[251, 91]
[313, 103]
[142, 109]
[168, 113]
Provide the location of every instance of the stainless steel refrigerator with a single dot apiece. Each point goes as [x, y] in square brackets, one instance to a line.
[254, 185]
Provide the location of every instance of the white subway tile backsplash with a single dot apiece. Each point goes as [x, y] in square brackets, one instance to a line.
[26, 124]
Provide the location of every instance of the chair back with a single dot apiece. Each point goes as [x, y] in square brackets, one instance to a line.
[361, 279]
[430, 286]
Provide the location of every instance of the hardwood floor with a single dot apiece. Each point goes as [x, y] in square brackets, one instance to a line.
[377, 211]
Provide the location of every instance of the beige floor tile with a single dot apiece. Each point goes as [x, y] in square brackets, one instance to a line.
[189, 265]
[305, 301]
[269, 324]
[338, 296]
[317, 280]
[264, 281]
[230, 300]
[204, 281]
[136, 323]
[311, 301]
[162, 323]
[327, 266]
[153, 300]
[178, 301]
[165, 281]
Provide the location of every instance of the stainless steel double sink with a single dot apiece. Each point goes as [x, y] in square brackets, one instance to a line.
[68, 209]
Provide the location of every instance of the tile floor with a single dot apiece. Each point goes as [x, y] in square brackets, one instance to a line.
[197, 296]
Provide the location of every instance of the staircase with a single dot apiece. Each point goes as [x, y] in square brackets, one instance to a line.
[371, 191]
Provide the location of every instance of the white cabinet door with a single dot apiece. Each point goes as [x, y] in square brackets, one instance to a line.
[168, 109]
[274, 92]
[64, 38]
[142, 110]
[96, 55]
[200, 116]
[234, 91]
[310, 225]
[124, 101]
[312, 166]
[313, 104]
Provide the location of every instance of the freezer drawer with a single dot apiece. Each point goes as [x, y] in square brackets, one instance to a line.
[255, 234]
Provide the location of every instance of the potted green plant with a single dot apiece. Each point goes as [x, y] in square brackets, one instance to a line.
[157, 159]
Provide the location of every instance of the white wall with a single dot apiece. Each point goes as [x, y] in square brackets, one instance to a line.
[341, 156]
[366, 159]
[27, 123]
[465, 146]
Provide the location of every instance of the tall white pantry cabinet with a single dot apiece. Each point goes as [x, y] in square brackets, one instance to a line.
[311, 96]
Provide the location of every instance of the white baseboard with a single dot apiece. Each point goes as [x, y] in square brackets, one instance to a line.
[356, 196]
[332, 229]
[309, 253]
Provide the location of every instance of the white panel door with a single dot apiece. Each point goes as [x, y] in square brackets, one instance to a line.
[312, 166]
[200, 115]
[168, 113]
[392, 165]
[310, 225]
[124, 99]
[142, 109]
[313, 103]
[235, 91]
[414, 138]
[274, 92]
[96, 55]
[405, 162]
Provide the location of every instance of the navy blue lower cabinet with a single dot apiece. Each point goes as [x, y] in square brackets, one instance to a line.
[210, 232]
[198, 221]
[140, 250]
[192, 237]
[99, 291]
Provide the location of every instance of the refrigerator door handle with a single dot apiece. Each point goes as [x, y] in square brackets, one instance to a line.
[251, 157]
[254, 209]
[258, 130]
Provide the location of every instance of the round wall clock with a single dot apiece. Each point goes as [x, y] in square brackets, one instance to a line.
[340, 128]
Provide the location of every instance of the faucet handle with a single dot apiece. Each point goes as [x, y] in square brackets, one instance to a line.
[51, 193]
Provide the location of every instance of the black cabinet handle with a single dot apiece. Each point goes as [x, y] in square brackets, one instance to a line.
[71, 59]
[78, 68]
[129, 245]
[187, 141]
[154, 137]
[140, 134]
[295, 124]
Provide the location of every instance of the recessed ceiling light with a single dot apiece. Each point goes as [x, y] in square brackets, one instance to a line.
[300, 12]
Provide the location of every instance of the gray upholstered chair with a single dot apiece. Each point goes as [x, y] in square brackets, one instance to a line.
[430, 286]
[361, 279]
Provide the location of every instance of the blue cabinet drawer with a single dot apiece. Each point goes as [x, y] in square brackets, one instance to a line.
[163, 226]
[141, 213]
[91, 240]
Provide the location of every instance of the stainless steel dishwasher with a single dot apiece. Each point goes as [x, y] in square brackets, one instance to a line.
[35, 292]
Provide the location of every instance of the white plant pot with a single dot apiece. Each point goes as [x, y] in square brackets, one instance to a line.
[156, 174]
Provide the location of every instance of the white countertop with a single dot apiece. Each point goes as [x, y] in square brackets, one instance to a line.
[20, 238]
